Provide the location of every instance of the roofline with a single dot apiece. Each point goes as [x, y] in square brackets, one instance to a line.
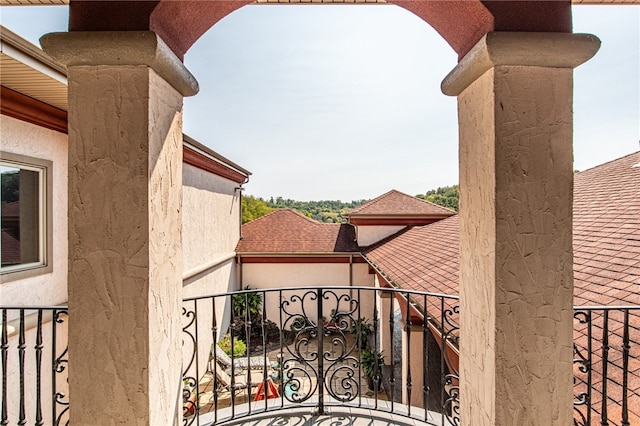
[401, 215]
[300, 254]
[31, 50]
[211, 154]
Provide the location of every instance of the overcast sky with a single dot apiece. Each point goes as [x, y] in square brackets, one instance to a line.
[344, 102]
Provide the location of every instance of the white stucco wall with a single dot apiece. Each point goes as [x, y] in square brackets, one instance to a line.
[281, 275]
[210, 231]
[368, 235]
[20, 137]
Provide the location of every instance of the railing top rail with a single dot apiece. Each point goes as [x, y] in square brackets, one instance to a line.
[607, 308]
[36, 308]
[328, 287]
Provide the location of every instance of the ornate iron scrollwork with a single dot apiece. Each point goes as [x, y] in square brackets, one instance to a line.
[582, 362]
[60, 363]
[451, 380]
[189, 382]
[334, 361]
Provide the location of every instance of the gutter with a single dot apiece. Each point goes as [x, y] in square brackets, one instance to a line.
[208, 152]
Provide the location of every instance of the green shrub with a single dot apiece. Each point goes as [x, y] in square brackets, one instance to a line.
[239, 347]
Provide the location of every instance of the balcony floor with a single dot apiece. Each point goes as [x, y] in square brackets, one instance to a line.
[335, 416]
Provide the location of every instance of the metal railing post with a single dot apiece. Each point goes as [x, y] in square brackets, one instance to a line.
[320, 378]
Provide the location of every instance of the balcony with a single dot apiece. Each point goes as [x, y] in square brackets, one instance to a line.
[307, 354]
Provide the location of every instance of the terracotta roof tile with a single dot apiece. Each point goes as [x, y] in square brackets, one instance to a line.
[287, 231]
[396, 203]
[10, 248]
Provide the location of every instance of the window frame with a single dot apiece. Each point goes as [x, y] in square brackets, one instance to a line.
[45, 217]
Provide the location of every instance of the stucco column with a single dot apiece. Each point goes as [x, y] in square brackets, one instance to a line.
[413, 356]
[516, 186]
[125, 253]
[383, 325]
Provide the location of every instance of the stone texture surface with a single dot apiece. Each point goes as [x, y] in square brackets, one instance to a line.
[516, 256]
[125, 260]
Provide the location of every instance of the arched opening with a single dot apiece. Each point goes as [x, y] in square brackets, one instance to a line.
[462, 23]
[504, 144]
[363, 105]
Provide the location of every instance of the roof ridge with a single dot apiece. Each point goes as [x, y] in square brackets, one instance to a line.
[373, 200]
[434, 204]
[615, 160]
[394, 192]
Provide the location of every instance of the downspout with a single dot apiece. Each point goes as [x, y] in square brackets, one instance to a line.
[240, 275]
[351, 276]
[239, 189]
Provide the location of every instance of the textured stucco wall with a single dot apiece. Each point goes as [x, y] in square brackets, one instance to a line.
[210, 231]
[516, 254]
[125, 274]
[370, 234]
[211, 209]
[19, 137]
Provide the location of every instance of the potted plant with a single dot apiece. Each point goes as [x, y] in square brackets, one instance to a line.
[372, 362]
[362, 330]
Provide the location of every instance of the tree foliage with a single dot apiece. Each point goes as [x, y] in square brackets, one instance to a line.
[328, 211]
[446, 196]
[253, 208]
[10, 186]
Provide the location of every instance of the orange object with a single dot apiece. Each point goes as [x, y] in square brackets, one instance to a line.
[272, 391]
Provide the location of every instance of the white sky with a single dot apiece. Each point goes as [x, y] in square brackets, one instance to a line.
[344, 102]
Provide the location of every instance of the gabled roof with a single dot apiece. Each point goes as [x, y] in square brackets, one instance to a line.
[286, 231]
[606, 241]
[397, 204]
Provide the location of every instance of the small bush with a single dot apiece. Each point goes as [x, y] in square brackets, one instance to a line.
[239, 347]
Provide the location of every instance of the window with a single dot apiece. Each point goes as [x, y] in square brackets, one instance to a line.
[25, 220]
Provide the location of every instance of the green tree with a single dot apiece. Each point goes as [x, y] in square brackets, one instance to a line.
[253, 208]
[446, 196]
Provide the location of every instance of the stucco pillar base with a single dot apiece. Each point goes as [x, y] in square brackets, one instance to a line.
[516, 186]
[413, 356]
[125, 250]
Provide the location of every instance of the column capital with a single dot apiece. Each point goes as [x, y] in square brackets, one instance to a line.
[552, 50]
[119, 48]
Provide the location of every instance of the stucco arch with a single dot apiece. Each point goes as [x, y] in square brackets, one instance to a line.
[460, 22]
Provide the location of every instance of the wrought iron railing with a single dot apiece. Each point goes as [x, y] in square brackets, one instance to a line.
[33, 353]
[317, 348]
[606, 384]
[307, 361]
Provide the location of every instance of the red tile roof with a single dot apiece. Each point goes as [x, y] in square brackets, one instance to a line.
[396, 203]
[11, 209]
[287, 231]
[10, 249]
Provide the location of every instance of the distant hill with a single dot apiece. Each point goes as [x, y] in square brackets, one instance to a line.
[332, 211]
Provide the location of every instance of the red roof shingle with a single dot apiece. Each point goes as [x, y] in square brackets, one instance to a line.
[287, 231]
[396, 203]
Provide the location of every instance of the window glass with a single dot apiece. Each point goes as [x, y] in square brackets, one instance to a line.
[22, 203]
